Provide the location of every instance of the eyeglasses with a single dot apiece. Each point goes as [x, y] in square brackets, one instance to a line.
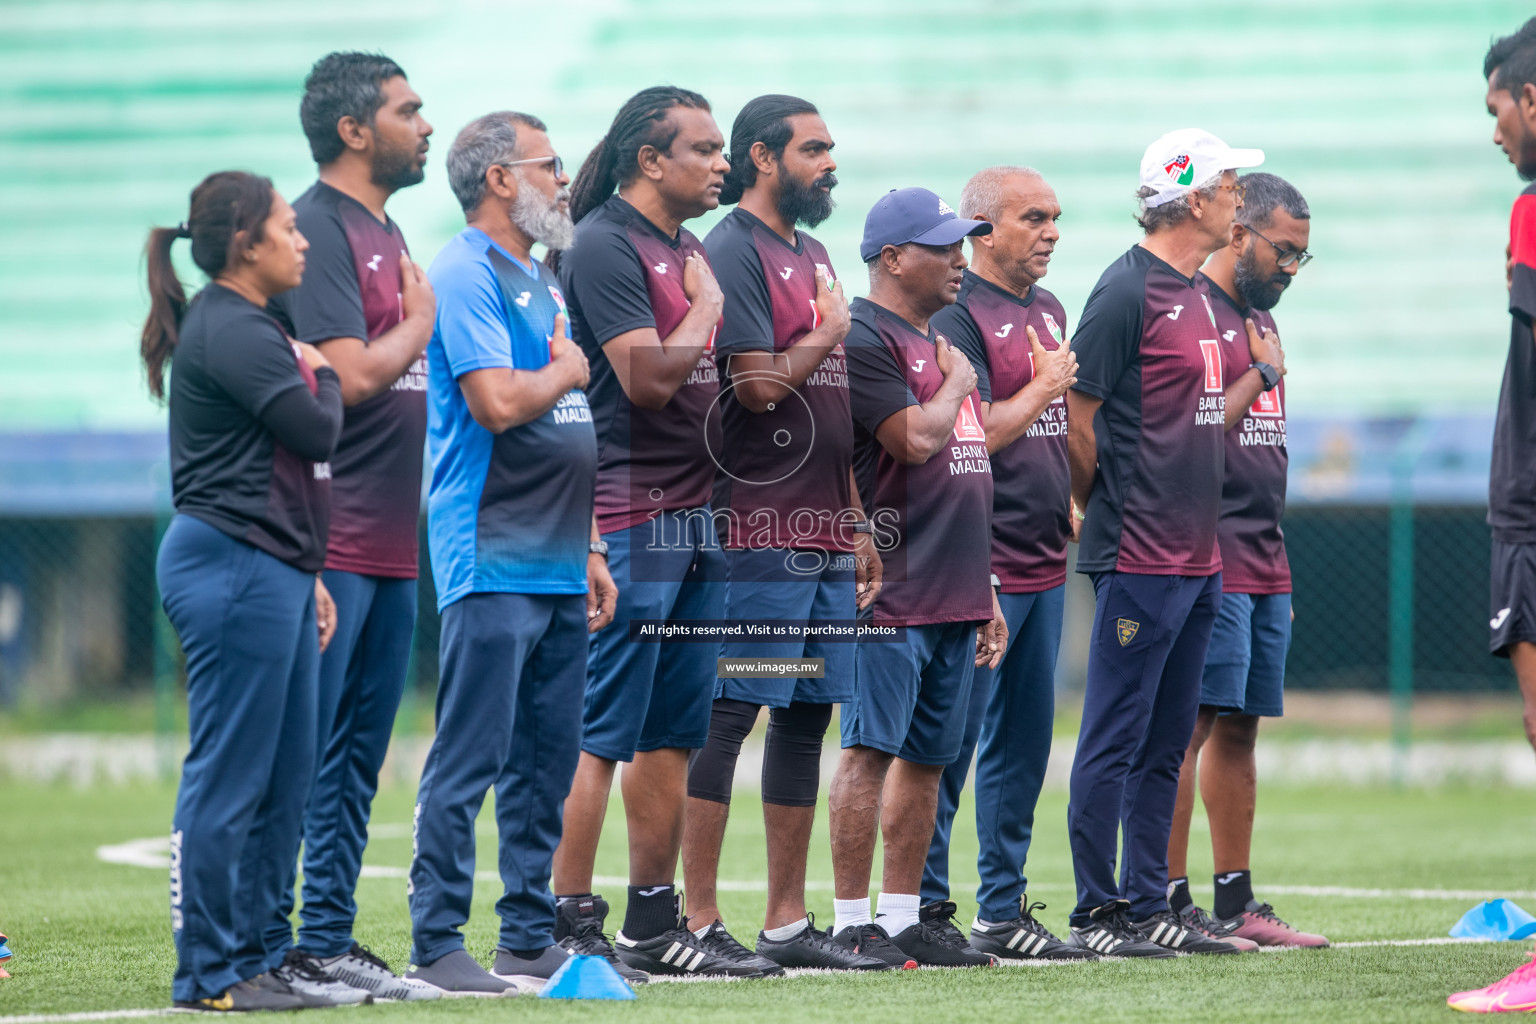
[1240, 189]
[1285, 257]
[558, 168]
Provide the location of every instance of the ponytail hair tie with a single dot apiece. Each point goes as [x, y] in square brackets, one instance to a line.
[182, 231]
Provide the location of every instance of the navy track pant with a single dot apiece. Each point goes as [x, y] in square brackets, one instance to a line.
[1010, 713]
[1145, 662]
[362, 677]
[514, 668]
[247, 625]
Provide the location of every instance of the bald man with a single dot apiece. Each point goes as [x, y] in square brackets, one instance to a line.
[1014, 333]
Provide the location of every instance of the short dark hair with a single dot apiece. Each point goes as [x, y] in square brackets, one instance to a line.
[1266, 193]
[765, 120]
[1514, 58]
[342, 85]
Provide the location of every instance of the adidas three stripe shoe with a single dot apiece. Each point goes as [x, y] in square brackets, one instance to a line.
[1025, 938]
[1167, 930]
[678, 951]
[1109, 933]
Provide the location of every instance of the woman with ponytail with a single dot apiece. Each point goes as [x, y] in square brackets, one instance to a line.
[253, 419]
[644, 307]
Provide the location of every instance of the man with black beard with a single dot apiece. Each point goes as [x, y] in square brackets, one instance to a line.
[1245, 662]
[787, 508]
[514, 467]
[370, 310]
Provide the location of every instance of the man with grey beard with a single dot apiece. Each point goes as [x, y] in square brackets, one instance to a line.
[514, 550]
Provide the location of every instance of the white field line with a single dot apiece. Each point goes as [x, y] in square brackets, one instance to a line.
[155, 853]
[69, 1018]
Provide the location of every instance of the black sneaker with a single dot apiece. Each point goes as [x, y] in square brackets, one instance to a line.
[579, 928]
[1196, 918]
[1165, 929]
[1109, 933]
[870, 940]
[935, 941]
[721, 943]
[262, 992]
[1025, 938]
[817, 950]
[678, 951]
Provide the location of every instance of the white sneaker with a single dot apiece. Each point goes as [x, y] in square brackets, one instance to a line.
[304, 975]
[361, 968]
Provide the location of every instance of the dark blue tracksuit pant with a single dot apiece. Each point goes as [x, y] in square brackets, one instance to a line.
[247, 625]
[514, 669]
[1011, 711]
[1145, 662]
[362, 677]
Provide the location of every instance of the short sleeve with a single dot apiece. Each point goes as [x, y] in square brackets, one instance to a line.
[471, 317]
[1522, 251]
[252, 362]
[877, 388]
[748, 320]
[1109, 334]
[604, 285]
[328, 303]
[956, 323]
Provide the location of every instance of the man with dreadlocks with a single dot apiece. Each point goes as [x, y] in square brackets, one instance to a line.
[644, 307]
[789, 519]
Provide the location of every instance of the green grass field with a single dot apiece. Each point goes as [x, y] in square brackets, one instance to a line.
[95, 936]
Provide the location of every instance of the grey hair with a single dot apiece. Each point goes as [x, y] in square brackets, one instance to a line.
[983, 194]
[480, 145]
[1266, 194]
[1174, 212]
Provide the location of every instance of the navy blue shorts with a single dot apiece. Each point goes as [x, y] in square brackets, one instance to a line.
[910, 696]
[1245, 663]
[655, 696]
[790, 586]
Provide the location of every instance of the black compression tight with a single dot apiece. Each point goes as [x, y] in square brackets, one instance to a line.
[791, 753]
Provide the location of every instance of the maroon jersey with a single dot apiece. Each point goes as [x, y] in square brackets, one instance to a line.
[351, 289]
[931, 521]
[1253, 557]
[1031, 485]
[783, 478]
[1147, 345]
[621, 275]
[1512, 480]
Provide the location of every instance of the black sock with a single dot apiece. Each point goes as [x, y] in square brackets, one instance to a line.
[652, 910]
[1178, 895]
[1234, 891]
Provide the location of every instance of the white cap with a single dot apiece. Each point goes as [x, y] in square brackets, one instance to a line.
[1181, 160]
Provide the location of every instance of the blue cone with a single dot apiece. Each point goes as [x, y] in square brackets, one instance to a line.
[5, 951]
[1498, 920]
[587, 977]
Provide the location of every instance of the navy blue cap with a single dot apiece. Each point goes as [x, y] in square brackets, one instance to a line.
[914, 215]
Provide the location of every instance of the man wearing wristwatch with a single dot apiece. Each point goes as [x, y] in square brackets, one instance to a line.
[1245, 663]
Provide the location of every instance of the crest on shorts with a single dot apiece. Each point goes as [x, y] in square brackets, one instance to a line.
[1126, 629]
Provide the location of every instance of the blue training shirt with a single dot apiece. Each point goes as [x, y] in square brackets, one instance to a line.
[509, 512]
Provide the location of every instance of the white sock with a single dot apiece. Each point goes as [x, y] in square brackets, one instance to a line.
[898, 912]
[789, 931]
[979, 923]
[849, 912]
[699, 932]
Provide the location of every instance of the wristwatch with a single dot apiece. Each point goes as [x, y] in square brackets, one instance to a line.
[1270, 374]
[598, 547]
[864, 526]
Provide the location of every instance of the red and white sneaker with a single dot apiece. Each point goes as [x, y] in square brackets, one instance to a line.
[1196, 918]
[1259, 923]
[1514, 993]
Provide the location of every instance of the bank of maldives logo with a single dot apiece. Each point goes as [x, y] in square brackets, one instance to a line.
[968, 424]
[1181, 169]
[1125, 630]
